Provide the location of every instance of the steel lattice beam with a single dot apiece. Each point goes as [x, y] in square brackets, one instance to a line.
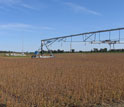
[50, 41]
[100, 31]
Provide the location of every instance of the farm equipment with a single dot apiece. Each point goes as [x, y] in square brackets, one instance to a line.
[37, 54]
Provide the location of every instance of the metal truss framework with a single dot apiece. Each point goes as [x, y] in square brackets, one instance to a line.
[86, 36]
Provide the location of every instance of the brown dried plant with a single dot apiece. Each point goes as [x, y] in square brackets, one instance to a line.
[69, 80]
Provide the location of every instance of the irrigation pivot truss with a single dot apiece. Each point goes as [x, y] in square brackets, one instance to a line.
[86, 38]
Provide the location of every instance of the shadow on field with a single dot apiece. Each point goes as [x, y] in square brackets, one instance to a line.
[3, 105]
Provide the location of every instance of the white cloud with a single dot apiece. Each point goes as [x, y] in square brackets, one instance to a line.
[28, 6]
[9, 2]
[78, 8]
[23, 27]
[16, 3]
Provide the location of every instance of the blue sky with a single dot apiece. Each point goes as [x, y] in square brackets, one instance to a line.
[26, 22]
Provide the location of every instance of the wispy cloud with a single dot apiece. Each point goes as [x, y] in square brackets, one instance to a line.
[23, 27]
[79, 8]
[9, 2]
[28, 6]
[16, 3]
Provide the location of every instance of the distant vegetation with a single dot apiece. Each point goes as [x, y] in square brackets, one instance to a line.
[3, 53]
[95, 50]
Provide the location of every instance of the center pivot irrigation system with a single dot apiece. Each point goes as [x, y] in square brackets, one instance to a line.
[90, 37]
